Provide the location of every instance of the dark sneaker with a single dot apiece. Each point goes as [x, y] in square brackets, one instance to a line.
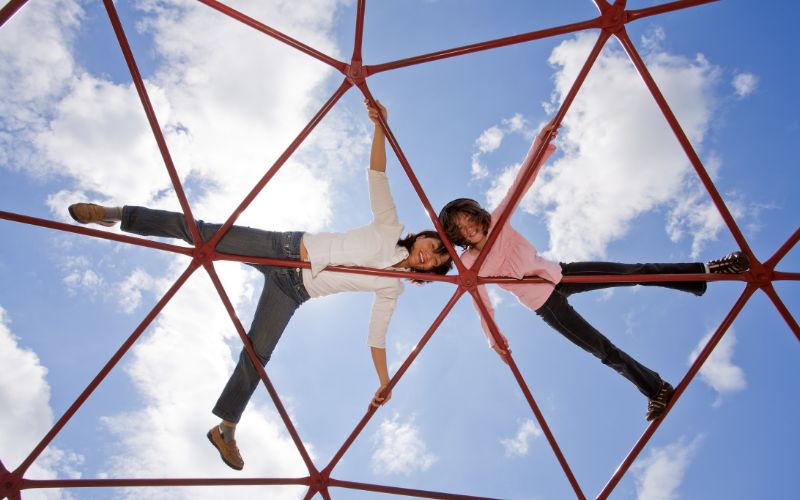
[88, 213]
[658, 405]
[228, 452]
[733, 263]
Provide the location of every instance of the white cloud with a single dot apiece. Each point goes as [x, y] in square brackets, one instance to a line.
[719, 371]
[619, 157]
[659, 475]
[491, 139]
[519, 445]
[27, 416]
[494, 296]
[399, 449]
[129, 291]
[744, 84]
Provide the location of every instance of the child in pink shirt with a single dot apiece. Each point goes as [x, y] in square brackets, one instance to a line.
[468, 225]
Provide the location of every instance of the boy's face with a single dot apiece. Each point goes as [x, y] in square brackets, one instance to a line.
[471, 231]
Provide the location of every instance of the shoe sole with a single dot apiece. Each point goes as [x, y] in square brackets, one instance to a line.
[74, 216]
[211, 440]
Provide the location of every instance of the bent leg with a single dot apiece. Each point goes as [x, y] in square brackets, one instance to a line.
[615, 268]
[273, 313]
[239, 240]
[560, 315]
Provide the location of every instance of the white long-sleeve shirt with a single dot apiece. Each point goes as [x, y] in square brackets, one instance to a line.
[373, 245]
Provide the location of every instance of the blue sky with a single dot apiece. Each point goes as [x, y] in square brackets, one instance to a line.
[230, 100]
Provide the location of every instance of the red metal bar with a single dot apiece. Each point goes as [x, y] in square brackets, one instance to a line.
[105, 370]
[10, 9]
[529, 397]
[34, 221]
[151, 117]
[622, 36]
[401, 491]
[357, 43]
[432, 214]
[478, 47]
[279, 163]
[371, 410]
[698, 363]
[636, 14]
[277, 35]
[781, 307]
[785, 276]
[121, 483]
[783, 250]
[248, 346]
[534, 167]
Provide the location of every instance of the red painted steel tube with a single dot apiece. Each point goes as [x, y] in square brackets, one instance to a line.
[478, 47]
[248, 346]
[684, 141]
[151, 116]
[782, 310]
[529, 398]
[34, 221]
[279, 162]
[193, 481]
[401, 491]
[277, 35]
[779, 276]
[534, 167]
[698, 363]
[9, 9]
[393, 381]
[401, 157]
[636, 14]
[338, 269]
[359, 36]
[105, 370]
[783, 250]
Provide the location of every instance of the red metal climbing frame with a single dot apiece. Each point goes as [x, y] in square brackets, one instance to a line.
[610, 22]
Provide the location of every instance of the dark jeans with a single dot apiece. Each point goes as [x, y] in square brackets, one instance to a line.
[559, 314]
[282, 294]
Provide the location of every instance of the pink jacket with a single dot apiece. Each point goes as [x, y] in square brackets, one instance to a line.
[513, 256]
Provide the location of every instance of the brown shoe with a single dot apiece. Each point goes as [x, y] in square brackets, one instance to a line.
[88, 213]
[657, 406]
[228, 452]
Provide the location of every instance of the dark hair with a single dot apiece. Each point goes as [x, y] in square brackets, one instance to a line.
[408, 242]
[470, 208]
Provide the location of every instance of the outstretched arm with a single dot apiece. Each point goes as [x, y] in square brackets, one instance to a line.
[502, 350]
[540, 138]
[377, 158]
[379, 360]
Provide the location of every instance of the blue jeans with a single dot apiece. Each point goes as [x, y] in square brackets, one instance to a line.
[559, 314]
[282, 294]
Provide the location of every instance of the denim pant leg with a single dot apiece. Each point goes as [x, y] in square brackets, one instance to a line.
[239, 240]
[275, 308]
[614, 268]
[559, 314]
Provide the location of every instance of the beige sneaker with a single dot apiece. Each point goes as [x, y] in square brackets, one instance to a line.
[87, 213]
[228, 452]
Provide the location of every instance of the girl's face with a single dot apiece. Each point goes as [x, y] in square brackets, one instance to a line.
[470, 230]
[423, 256]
